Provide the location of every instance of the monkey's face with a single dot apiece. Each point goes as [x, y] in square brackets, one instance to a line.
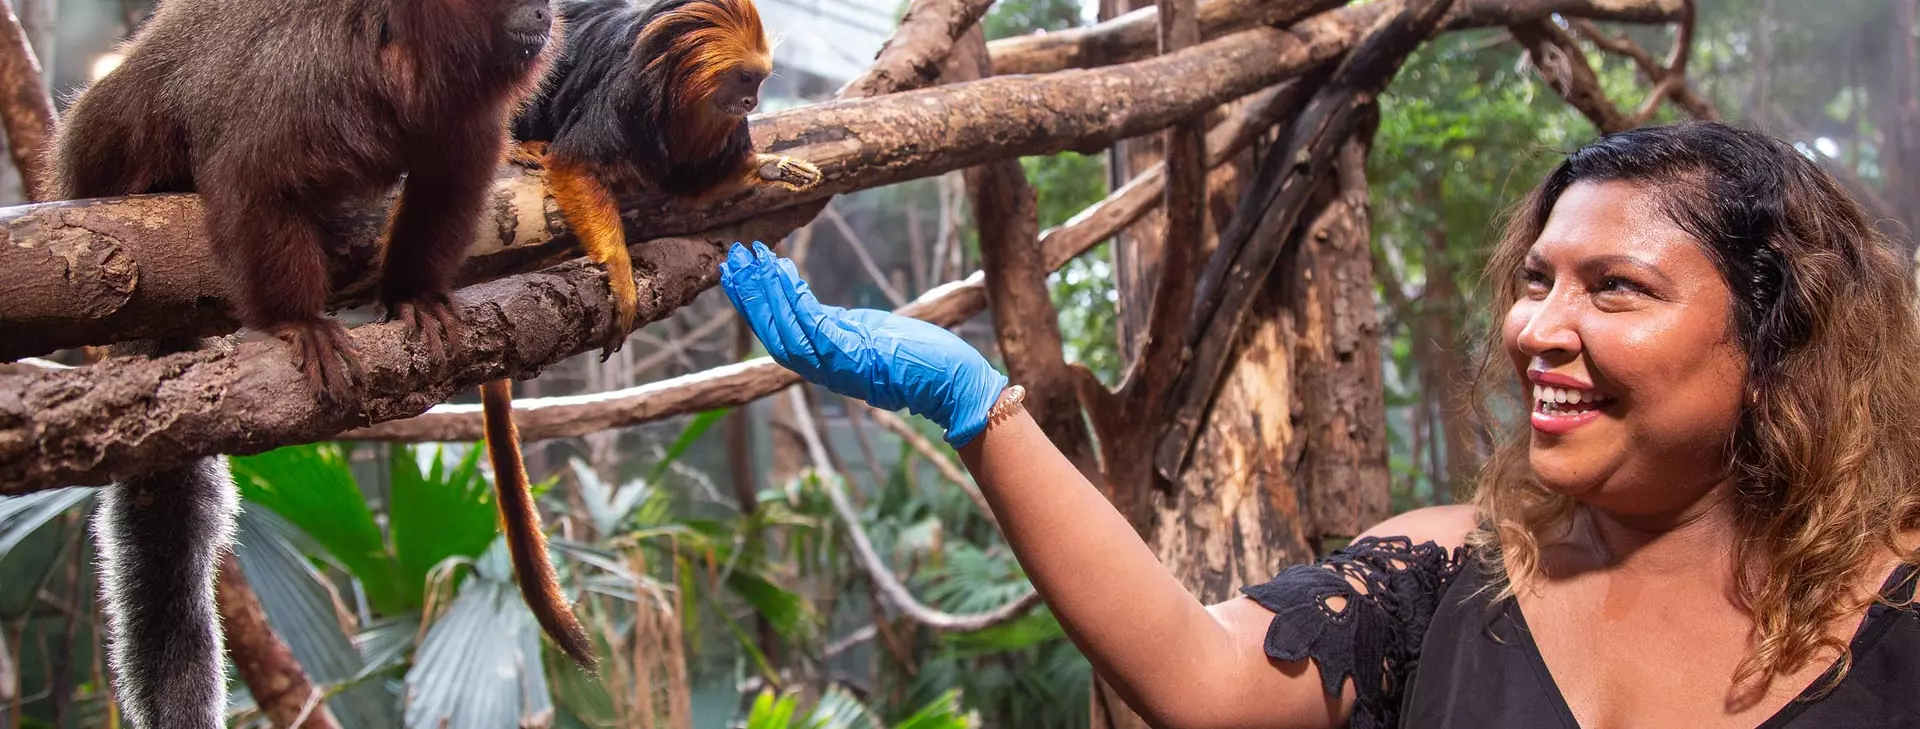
[738, 92]
[528, 26]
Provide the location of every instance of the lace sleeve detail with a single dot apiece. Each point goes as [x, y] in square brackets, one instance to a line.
[1374, 637]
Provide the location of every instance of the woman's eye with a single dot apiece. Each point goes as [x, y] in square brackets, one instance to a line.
[1535, 282]
[1616, 284]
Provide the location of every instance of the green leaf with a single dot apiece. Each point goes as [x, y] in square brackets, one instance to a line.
[782, 608]
[312, 487]
[695, 428]
[304, 611]
[21, 516]
[480, 666]
[942, 713]
[440, 514]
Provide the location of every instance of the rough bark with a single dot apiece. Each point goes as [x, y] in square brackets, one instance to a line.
[94, 272]
[1111, 45]
[90, 425]
[27, 110]
[733, 385]
[1329, 288]
[1254, 241]
[1025, 324]
[279, 686]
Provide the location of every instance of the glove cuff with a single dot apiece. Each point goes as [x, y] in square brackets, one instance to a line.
[970, 417]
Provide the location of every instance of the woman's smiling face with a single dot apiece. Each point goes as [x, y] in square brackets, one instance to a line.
[1623, 335]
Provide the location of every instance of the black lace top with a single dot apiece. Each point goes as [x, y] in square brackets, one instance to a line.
[1426, 647]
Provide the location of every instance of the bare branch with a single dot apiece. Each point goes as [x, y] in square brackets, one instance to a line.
[95, 272]
[27, 110]
[279, 685]
[1675, 77]
[870, 561]
[1560, 62]
[737, 384]
[1130, 37]
[676, 346]
[866, 259]
[1683, 94]
[940, 461]
[912, 58]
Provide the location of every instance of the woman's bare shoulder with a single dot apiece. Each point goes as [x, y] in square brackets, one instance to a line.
[1447, 526]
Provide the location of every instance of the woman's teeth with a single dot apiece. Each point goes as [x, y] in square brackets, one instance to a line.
[1565, 400]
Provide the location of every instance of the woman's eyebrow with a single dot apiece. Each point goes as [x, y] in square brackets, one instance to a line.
[1598, 264]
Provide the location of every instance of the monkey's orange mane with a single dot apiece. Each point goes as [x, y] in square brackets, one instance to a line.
[712, 38]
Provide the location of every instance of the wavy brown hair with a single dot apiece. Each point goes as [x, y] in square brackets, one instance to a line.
[1827, 451]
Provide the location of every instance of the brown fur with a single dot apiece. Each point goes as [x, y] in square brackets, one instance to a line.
[280, 114]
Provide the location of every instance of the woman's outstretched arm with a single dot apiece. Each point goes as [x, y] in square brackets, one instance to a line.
[1175, 661]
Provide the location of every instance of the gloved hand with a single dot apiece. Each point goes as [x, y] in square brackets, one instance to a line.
[887, 360]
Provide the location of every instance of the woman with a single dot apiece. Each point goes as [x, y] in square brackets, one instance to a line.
[1707, 518]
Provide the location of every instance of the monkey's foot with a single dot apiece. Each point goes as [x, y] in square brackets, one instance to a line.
[625, 306]
[794, 174]
[324, 352]
[528, 154]
[430, 320]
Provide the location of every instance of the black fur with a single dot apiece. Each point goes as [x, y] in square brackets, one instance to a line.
[160, 538]
[603, 108]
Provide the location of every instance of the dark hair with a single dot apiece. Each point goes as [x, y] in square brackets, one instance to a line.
[1827, 450]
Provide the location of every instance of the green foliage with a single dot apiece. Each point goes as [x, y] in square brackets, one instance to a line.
[441, 513]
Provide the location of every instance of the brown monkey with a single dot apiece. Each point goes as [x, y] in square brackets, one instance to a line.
[278, 114]
[652, 97]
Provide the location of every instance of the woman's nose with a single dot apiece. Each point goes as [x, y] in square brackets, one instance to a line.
[1549, 326]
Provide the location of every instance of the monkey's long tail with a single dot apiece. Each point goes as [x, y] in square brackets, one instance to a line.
[161, 537]
[531, 566]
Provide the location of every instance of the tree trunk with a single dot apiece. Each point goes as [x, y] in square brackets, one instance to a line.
[1901, 120]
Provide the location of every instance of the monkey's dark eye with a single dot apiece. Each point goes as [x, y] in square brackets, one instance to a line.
[746, 78]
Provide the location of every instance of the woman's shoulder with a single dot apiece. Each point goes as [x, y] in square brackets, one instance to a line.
[1446, 526]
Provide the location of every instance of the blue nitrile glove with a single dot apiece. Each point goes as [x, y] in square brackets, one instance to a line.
[887, 360]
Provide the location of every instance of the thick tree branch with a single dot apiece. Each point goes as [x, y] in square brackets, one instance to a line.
[1560, 62]
[738, 384]
[1130, 37]
[875, 567]
[119, 417]
[27, 110]
[95, 272]
[1262, 225]
[90, 425]
[279, 686]
[913, 57]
